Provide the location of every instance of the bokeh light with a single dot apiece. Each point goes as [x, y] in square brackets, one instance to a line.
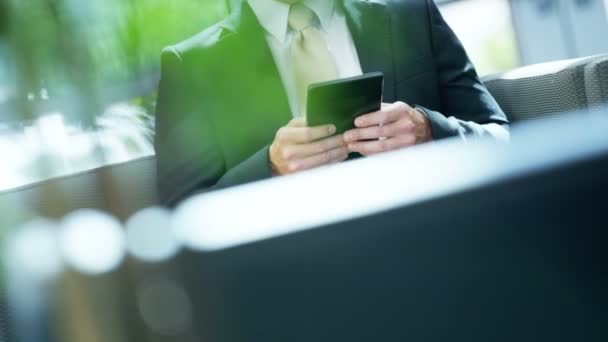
[92, 242]
[32, 251]
[149, 237]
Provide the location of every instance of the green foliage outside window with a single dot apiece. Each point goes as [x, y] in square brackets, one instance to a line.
[83, 51]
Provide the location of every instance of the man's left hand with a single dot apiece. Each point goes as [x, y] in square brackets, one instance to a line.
[394, 127]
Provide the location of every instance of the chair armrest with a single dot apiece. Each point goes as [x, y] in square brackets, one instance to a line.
[550, 89]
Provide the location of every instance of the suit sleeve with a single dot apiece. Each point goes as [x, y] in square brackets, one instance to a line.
[468, 109]
[189, 157]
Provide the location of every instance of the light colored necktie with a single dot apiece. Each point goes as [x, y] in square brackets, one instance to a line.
[312, 62]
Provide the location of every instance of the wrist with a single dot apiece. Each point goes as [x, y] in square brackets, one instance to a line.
[274, 171]
[426, 131]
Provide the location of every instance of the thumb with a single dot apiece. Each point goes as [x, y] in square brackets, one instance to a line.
[297, 122]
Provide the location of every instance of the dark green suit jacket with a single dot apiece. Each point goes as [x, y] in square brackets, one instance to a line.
[221, 98]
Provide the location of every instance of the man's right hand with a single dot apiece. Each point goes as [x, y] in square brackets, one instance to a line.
[297, 147]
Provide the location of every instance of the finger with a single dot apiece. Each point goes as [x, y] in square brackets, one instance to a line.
[368, 148]
[297, 122]
[396, 128]
[304, 135]
[384, 116]
[317, 147]
[329, 157]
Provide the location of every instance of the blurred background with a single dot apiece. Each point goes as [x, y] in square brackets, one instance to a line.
[78, 78]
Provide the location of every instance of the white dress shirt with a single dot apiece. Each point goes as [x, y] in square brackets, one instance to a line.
[273, 16]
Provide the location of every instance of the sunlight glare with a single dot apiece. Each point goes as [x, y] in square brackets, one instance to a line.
[92, 242]
[149, 237]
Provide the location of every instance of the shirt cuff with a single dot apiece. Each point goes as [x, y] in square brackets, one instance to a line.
[441, 127]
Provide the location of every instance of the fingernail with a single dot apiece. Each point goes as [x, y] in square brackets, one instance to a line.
[332, 129]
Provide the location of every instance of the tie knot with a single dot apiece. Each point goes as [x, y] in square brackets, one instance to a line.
[301, 17]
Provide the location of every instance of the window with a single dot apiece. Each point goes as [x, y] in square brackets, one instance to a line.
[489, 38]
[78, 80]
[507, 33]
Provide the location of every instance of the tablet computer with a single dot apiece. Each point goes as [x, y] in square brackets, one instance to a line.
[340, 102]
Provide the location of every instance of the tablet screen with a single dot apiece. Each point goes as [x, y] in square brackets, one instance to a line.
[340, 102]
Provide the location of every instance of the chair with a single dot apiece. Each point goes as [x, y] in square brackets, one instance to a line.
[549, 90]
[120, 189]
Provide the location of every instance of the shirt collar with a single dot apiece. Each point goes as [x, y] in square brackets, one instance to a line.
[273, 15]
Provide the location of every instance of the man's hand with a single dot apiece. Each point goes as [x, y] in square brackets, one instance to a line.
[298, 147]
[393, 127]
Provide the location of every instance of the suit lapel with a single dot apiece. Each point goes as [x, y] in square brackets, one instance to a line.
[245, 39]
[370, 26]
[253, 100]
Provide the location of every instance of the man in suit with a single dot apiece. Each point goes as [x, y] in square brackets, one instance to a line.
[231, 98]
